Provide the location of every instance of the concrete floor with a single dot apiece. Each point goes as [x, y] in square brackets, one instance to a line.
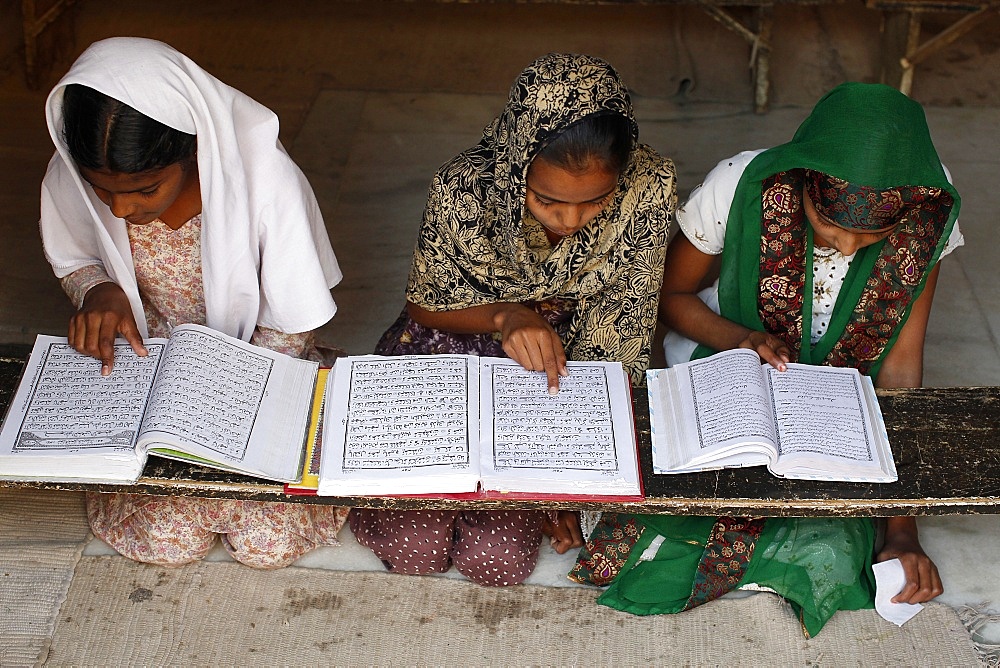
[369, 133]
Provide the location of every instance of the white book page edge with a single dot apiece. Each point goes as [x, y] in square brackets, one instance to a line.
[580, 441]
[334, 480]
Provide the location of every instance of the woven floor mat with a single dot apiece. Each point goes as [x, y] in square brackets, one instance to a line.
[123, 613]
[42, 534]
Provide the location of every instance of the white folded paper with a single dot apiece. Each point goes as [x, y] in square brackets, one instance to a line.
[889, 581]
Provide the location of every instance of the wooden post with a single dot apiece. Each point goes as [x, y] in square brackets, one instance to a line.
[760, 47]
[761, 60]
[32, 27]
[30, 42]
[900, 36]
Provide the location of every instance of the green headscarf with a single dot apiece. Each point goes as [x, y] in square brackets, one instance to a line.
[867, 135]
[819, 564]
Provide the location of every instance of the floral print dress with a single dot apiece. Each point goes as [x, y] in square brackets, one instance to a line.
[174, 530]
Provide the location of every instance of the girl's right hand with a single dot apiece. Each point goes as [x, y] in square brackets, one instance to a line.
[532, 342]
[106, 313]
[770, 348]
[686, 271]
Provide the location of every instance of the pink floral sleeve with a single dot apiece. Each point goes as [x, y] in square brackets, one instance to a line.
[80, 282]
[295, 345]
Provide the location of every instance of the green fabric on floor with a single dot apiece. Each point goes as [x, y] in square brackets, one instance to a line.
[820, 565]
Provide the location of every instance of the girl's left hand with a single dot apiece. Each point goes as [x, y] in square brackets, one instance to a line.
[922, 579]
[564, 534]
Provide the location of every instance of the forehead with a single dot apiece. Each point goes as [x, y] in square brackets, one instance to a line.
[123, 182]
[829, 221]
[557, 183]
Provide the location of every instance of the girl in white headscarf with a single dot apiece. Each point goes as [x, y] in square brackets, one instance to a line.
[170, 200]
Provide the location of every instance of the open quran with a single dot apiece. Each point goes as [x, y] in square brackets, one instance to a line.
[457, 424]
[199, 396]
[729, 410]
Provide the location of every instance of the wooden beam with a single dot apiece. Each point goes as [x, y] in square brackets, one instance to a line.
[723, 17]
[760, 60]
[760, 46]
[900, 35]
[917, 55]
[32, 26]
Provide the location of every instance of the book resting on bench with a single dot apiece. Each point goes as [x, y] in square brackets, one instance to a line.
[462, 424]
[436, 424]
[198, 396]
[729, 410]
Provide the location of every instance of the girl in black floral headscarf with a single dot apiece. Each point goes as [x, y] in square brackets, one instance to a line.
[544, 242]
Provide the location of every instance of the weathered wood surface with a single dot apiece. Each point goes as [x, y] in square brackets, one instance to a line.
[703, 3]
[932, 5]
[946, 442]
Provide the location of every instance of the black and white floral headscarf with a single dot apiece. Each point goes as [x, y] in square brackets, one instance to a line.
[478, 245]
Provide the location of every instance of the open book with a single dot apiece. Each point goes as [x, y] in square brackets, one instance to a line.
[200, 396]
[729, 410]
[447, 424]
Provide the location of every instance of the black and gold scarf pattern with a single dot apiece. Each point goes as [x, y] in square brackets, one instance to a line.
[478, 246]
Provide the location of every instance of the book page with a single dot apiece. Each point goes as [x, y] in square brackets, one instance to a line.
[225, 400]
[823, 419]
[579, 441]
[710, 413]
[67, 420]
[726, 392]
[401, 425]
[71, 406]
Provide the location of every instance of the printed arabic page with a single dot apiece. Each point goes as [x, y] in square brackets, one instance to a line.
[67, 422]
[826, 428]
[244, 407]
[401, 425]
[579, 441]
[711, 413]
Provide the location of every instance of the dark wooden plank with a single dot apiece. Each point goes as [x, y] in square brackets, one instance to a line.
[946, 442]
[714, 3]
[12, 359]
[931, 5]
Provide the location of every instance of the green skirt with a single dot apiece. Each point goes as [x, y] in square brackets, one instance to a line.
[820, 565]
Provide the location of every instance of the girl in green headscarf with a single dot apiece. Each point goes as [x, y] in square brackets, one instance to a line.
[830, 247]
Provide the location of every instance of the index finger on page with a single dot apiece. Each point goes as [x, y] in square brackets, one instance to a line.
[106, 350]
[553, 369]
[131, 335]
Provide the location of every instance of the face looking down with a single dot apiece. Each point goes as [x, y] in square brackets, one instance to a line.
[827, 234]
[563, 201]
[143, 197]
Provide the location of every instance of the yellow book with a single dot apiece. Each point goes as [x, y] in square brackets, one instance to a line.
[314, 441]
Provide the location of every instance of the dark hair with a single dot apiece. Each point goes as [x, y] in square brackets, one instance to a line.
[604, 137]
[104, 133]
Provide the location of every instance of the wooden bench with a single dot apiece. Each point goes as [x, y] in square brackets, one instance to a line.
[946, 443]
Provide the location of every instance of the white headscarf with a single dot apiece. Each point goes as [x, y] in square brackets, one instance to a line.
[266, 256]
